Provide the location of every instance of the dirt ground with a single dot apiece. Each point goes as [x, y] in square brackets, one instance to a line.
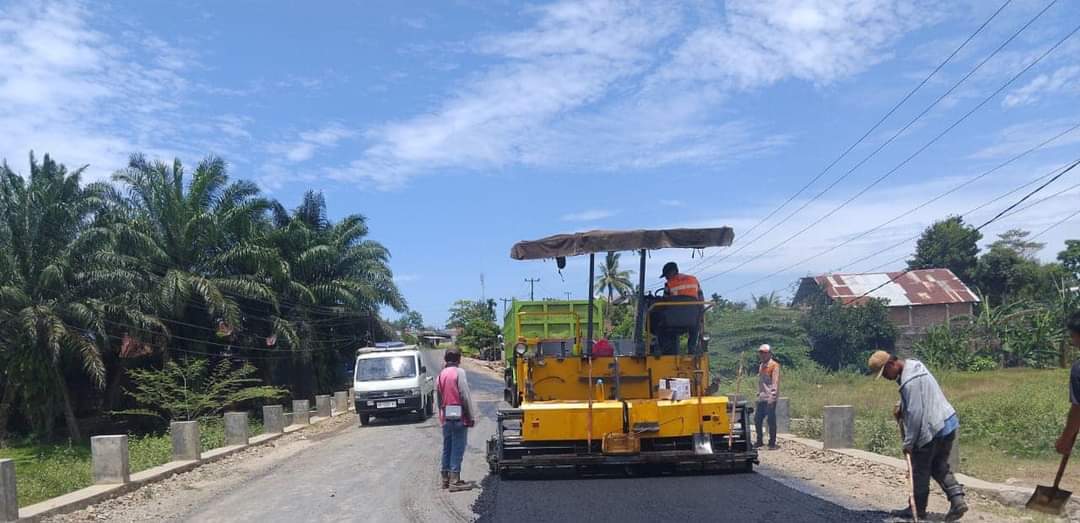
[854, 481]
[177, 495]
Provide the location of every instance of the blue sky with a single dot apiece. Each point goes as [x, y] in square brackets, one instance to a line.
[459, 128]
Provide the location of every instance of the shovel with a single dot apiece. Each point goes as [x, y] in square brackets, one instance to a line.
[910, 478]
[702, 440]
[1051, 500]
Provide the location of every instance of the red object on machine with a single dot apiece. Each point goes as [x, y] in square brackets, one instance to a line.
[603, 347]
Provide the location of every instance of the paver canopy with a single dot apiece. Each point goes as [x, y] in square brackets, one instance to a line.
[562, 245]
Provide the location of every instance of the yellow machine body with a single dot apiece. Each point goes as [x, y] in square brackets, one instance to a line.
[569, 420]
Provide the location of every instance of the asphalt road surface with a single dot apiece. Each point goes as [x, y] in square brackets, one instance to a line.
[388, 472]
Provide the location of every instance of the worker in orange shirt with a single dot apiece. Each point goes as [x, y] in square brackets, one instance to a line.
[681, 287]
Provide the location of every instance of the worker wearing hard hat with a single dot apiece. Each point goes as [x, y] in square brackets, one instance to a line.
[928, 425]
[768, 392]
[682, 287]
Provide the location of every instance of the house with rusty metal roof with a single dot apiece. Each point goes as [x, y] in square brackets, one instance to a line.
[915, 299]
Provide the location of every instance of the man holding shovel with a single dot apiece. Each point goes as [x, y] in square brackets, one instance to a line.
[929, 427]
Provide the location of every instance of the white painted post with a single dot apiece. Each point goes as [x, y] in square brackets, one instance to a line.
[301, 412]
[839, 427]
[273, 419]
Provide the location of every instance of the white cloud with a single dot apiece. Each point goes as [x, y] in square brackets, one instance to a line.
[1015, 139]
[588, 216]
[672, 203]
[609, 85]
[73, 91]
[1064, 79]
[762, 42]
[304, 146]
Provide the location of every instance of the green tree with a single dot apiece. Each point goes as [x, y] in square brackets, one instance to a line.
[1016, 240]
[335, 282]
[613, 281]
[735, 332]
[1070, 258]
[191, 390]
[51, 282]
[410, 320]
[464, 311]
[950, 244]
[769, 301]
[479, 333]
[842, 336]
[199, 245]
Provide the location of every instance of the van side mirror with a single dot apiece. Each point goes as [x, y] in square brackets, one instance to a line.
[423, 369]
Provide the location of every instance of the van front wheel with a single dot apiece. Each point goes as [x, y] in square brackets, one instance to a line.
[429, 409]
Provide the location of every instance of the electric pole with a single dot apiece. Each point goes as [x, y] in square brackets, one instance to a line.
[483, 297]
[505, 301]
[568, 294]
[532, 287]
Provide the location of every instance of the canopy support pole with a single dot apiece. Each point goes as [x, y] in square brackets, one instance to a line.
[639, 316]
[592, 297]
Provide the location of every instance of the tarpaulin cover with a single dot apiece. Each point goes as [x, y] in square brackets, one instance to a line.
[605, 241]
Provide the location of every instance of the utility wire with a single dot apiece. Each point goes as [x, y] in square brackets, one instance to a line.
[910, 157]
[873, 128]
[956, 188]
[979, 228]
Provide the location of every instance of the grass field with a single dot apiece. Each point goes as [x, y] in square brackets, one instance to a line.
[1009, 419]
[44, 471]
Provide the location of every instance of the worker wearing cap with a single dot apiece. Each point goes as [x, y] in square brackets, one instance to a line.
[768, 392]
[929, 426]
[681, 287]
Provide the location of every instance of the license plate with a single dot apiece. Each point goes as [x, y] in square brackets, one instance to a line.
[385, 404]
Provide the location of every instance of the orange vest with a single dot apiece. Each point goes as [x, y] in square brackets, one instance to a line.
[683, 285]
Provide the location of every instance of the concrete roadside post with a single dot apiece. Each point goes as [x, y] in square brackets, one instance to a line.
[236, 428]
[273, 419]
[301, 413]
[109, 460]
[185, 441]
[783, 416]
[9, 499]
[352, 397]
[839, 427]
[322, 406]
[341, 401]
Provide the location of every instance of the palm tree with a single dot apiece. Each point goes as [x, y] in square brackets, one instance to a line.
[769, 301]
[335, 285]
[51, 284]
[199, 244]
[612, 280]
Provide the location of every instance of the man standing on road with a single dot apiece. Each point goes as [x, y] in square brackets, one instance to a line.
[768, 392]
[456, 414]
[1065, 443]
[929, 425]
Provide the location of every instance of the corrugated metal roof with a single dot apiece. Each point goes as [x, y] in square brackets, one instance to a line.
[921, 287]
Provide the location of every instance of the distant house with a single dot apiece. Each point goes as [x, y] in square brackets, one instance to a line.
[916, 299]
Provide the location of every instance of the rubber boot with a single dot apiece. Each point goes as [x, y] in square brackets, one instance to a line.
[456, 485]
[445, 479]
[957, 508]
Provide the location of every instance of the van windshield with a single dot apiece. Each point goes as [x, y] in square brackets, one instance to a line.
[385, 368]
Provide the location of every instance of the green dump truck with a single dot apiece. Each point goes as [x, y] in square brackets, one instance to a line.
[558, 328]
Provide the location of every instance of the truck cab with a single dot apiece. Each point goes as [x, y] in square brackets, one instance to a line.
[392, 380]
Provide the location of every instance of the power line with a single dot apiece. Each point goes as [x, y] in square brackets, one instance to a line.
[979, 228]
[863, 234]
[910, 157]
[870, 131]
[1059, 222]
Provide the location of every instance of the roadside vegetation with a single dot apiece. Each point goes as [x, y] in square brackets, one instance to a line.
[167, 293]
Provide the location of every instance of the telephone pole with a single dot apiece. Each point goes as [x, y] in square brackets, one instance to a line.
[532, 287]
[483, 296]
[505, 301]
[568, 294]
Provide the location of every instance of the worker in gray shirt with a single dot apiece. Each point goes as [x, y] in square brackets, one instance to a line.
[929, 428]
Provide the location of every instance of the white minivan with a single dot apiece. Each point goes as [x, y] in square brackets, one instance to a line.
[393, 379]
